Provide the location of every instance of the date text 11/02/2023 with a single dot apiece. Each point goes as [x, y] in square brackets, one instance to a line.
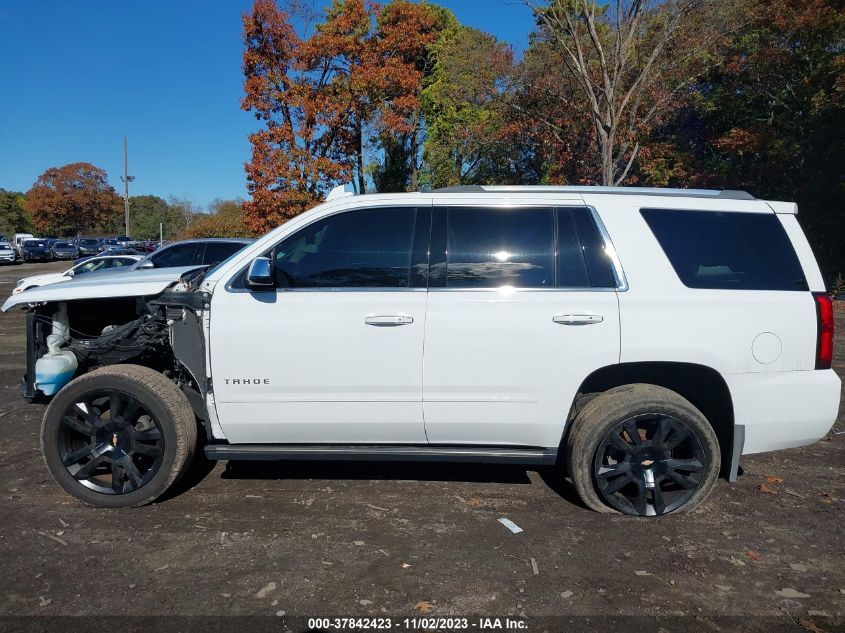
[419, 624]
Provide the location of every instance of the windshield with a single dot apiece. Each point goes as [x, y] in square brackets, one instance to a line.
[5, 246]
[34, 243]
[88, 242]
[62, 245]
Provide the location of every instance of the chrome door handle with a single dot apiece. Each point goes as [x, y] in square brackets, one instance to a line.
[577, 319]
[389, 319]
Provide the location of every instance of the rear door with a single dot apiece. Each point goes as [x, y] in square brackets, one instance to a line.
[522, 307]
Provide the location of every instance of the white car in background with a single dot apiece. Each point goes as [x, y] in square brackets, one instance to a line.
[106, 262]
[7, 253]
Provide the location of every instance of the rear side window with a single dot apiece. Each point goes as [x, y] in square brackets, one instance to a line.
[216, 252]
[490, 248]
[177, 255]
[738, 251]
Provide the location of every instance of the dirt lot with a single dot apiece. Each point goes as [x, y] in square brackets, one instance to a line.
[296, 539]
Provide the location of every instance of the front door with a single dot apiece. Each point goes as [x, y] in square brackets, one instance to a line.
[334, 353]
[526, 308]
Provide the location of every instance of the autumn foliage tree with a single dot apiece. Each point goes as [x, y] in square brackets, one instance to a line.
[321, 99]
[71, 199]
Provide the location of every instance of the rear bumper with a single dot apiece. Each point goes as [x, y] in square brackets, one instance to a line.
[784, 409]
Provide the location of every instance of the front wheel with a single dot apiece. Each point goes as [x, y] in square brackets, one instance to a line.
[118, 436]
[642, 450]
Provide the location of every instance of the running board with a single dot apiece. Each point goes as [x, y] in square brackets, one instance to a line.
[393, 453]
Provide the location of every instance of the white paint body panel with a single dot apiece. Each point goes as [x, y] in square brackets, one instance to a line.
[330, 377]
[101, 285]
[497, 368]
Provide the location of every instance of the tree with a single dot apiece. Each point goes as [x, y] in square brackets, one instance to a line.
[184, 211]
[147, 212]
[13, 215]
[225, 218]
[73, 199]
[634, 63]
[295, 158]
[327, 100]
[771, 118]
[464, 110]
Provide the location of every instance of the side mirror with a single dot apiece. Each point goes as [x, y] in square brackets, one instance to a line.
[260, 273]
[147, 263]
[69, 273]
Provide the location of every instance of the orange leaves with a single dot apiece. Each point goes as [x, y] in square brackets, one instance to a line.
[322, 98]
[72, 198]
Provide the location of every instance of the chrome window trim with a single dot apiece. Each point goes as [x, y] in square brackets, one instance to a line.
[610, 249]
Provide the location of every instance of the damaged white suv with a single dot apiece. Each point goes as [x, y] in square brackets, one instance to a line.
[643, 340]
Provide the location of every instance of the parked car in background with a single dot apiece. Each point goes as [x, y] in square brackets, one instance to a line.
[117, 250]
[88, 246]
[17, 242]
[93, 264]
[108, 242]
[62, 249]
[201, 252]
[7, 253]
[122, 240]
[36, 250]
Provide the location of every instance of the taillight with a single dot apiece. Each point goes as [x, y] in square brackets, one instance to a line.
[824, 341]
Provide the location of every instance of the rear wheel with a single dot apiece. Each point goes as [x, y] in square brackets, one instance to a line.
[642, 450]
[118, 436]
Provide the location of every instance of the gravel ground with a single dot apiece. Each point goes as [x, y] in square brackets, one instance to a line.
[309, 539]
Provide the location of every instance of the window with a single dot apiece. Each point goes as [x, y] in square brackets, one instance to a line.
[367, 248]
[177, 255]
[599, 266]
[490, 248]
[90, 266]
[216, 252]
[571, 263]
[741, 251]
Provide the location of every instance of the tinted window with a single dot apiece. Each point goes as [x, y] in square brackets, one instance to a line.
[741, 251]
[599, 266]
[571, 264]
[489, 248]
[178, 255]
[368, 248]
[216, 252]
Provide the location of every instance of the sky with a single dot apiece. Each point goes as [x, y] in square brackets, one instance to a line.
[79, 76]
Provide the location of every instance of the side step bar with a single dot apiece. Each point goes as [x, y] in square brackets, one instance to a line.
[375, 453]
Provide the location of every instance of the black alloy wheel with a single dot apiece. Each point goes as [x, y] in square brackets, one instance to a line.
[118, 436]
[648, 465]
[110, 442]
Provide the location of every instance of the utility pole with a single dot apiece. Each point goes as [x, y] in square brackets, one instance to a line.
[126, 178]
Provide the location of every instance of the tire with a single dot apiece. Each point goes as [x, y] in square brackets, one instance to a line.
[667, 462]
[107, 461]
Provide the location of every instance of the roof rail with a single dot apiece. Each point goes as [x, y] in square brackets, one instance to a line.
[725, 194]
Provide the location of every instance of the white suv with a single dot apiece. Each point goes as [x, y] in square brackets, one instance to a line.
[643, 340]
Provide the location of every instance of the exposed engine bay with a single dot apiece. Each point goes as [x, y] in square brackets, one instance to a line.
[164, 332]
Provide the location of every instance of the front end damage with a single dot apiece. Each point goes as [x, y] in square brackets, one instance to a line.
[163, 332]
